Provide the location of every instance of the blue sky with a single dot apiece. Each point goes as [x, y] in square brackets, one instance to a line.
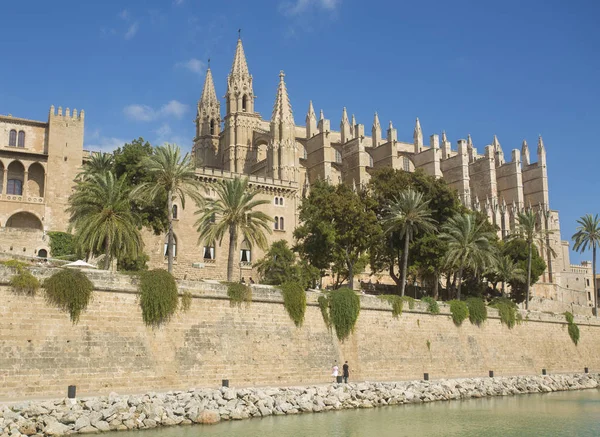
[512, 68]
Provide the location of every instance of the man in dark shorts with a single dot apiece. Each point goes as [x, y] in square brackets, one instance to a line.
[346, 372]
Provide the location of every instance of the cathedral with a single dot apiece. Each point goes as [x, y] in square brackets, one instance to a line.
[282, 160]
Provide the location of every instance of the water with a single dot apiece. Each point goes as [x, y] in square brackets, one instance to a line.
[570, 414]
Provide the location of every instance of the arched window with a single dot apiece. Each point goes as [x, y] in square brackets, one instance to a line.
[276, 223]
[42, 253]
[405, 164]
[212, 127]
[244, 101]
[167, 245]
[370, 161]
[21, 140]
[281, 201]
[15, 187]
[209, 251]
[15, 177]
[281, 223]
[245, 252]
[276, 200]
[175, 212]
[12, 138]
[338, 157]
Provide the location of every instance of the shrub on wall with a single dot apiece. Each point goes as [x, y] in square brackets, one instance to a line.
[573, 328]
[459, 311]
[323, 302]
[185, 301]
[410, 301]
[432, 305]
[158, 296]
[477, 310]
[15, 264]
[69, 290]
[507, 310]
[239, 293]
[395, 302]
[62, 244]
[24, 283]
[344, 307]
[294, 300]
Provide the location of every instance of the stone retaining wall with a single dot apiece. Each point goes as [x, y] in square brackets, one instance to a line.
[110, 349]
[209, 406]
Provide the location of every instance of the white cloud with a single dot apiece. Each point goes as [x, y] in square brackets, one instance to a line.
[299, 6]
[164, 134]
[104, 144]
[194, 65]
[133, 29]
[124, 14]
[138, 112]
[178, 2]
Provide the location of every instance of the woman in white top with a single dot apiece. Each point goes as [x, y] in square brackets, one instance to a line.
[335, 371]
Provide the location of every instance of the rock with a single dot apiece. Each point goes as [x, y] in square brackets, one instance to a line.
[56, 428]
[88, 430]
[208, 417]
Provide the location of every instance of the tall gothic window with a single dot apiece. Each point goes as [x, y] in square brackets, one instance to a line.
[21, 140]
[175, 211]
[245, 252]
[276, 223]
[338, 157]
[209, 251]
[405, 163]
[12, 138]
[212, 127]
[244, 103]
[281, 223]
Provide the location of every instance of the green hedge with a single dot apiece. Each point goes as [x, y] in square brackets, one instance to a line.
[24, 283]
[459, 311]
[507, 310]
[344, 308]
[158, 297]
[432, 305]
[323, 301]
[477, 310]
[239, 293]
[70, 290]
[573, 328]
[294, 300]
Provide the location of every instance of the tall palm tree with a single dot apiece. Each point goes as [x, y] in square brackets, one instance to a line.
[173, 177]
[98, 163]
[588, 235]
[468, 245]
[233, 212]
[507, 270]
[528, 230]
[102, 217]
[408, 215]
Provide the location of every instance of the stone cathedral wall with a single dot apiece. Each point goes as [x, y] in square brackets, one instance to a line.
[110, 349]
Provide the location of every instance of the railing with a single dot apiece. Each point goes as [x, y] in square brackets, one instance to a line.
[246, 265]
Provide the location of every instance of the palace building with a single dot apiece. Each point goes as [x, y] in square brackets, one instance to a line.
[39, 161]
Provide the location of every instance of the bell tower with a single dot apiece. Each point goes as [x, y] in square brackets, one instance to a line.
[208, 126]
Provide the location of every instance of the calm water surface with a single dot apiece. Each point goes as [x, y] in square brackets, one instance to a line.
[553, 414]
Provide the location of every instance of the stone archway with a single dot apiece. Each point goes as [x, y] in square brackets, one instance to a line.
[24, 220]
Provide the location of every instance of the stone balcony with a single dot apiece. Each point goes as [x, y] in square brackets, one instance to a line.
[22, 198]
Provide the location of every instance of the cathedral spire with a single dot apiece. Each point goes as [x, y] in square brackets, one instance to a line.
[541, 152]
[345, 131]
[208, 125]
[376, 131]
[209, 95]
[525, 153]
[469, 141]
[282, 109]
[418, 136]
[392, 135]
[239, 66]
[311, 121]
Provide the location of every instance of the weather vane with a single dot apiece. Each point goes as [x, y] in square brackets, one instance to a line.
[239, 33]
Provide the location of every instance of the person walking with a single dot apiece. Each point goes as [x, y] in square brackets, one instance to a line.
[335, 371]
[346, 372]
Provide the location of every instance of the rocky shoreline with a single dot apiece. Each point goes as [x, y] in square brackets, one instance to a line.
[208, 406]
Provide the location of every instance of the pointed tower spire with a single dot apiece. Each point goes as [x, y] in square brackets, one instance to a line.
[311, 121]
[376, 131]
[208, 125]
[446, 146]
[418, 136]
[345, 127]
[209, 95]
[239, 66]
[499, 154]
[525, 153]
[321, 116]
[282, 109]
[240, 96]
[541, 152]
[469, 141]
[392, 134]
[353, 126]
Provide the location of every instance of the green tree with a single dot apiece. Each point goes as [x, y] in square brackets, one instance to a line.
[129, 162]
[408, 215]
[468, 245]
[527, 229]
[507, 270]
[101, 214]
[278, 265]
[173, 177]
[97, 164]
[517, 249]
[588, 236]
[233, 212]
[427, 254]
[61, 244]
[337, 227]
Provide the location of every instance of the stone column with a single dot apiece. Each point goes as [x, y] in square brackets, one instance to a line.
[24, 191]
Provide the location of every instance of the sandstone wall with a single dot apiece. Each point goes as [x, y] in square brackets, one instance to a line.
[41, 352]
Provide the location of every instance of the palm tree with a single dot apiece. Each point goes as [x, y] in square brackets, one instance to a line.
[527, 229]
[102, 217]
[588, 235]
[468, 245]
[408, 215]
[507, 270]
[98, 163]
[173, 177]
[233, 212]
